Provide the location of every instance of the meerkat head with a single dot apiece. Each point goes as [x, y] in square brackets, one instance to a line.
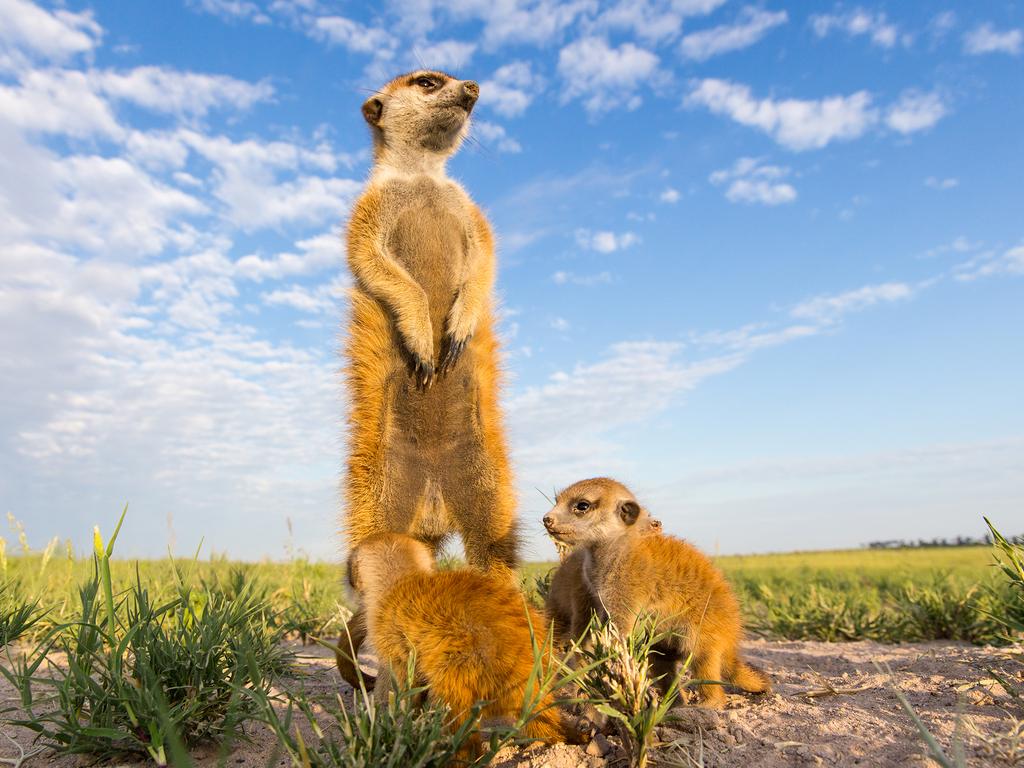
[378, 561]
[421, 111]
[596, 510]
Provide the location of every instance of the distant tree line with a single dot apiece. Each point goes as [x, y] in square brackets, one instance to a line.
[959, 541]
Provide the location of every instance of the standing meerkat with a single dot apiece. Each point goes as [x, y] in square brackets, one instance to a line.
[631, 575]
[467, 633]
[427, 452]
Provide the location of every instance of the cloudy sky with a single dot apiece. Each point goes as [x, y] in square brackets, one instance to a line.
[764, 264]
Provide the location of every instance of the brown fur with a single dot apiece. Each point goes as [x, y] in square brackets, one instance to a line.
[631, 575]
[427, 452]
[468, 632]
[569, 604]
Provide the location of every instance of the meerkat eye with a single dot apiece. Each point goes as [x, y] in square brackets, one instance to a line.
[582, 507]
[426, 82]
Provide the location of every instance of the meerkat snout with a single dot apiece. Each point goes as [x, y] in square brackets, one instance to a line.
[470, 93]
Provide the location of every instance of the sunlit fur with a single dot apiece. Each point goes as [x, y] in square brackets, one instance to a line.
[468, 632]
[569, 604]
[427, 450]
[632, 574]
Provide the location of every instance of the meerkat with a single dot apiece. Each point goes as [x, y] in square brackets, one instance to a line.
[467, 632]
[632, 575]
[426, 454]
[569, 605]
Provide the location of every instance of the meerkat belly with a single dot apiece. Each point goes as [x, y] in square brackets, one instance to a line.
[433, 430]
[430, 242]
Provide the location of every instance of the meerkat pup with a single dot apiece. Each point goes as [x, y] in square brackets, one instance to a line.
[569, 604]
[468, 632]
[631, 575]
[427, 452]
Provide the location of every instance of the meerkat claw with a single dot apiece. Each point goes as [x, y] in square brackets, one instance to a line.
[452, 352]
[423, 373]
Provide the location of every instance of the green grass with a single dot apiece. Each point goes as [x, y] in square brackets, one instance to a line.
[160, 655]
[905, 595]
[140, 675]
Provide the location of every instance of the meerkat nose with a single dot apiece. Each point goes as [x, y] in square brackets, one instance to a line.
[470, 93]
[548, 521]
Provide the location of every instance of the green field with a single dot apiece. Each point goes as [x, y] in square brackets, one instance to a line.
[892, 595]
[158, 656]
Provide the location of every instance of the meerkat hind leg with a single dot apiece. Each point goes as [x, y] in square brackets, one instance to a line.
[707, 669]
[485, 521]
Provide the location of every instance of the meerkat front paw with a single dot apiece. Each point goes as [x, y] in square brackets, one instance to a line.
[451, 351]
[461, 326]
[419, 347]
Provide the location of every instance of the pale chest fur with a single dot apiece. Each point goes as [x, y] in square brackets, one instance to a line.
[427, 229]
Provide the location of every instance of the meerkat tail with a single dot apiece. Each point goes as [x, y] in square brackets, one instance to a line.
[748, 678]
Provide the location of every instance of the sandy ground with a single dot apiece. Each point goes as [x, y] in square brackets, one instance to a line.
[831, 706]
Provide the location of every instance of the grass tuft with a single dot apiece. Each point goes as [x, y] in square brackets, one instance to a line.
[619, 679]
[138, 674]
[17, 616]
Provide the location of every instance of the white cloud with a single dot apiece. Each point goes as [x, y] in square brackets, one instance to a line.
[941, 25]
[59, 102]
[750, 181]
[181, 93]
[28, 29]
[751, 26]
[232, 10]
[987, 39]
[494, 134]
[859, 21]
[310, 200]
[959, 244]
[526, 21]
[446, 54]
[592, 401]
[511, 89]
[325, 299]
[933, 182]
[570, 278]
[669, 195]
[73, 103]
[915, 111]
[535, 22]
[797, 124]
[605, 77]
[160, 150]
[653, 21]
[1009, 262]
[604, 241]
[112, 206]
[338, 30]
[247, 179]
[316, 254]
[829, 308]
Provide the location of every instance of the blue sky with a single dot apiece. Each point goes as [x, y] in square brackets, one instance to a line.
[763, 263]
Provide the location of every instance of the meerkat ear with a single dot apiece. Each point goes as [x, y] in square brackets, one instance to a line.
[655, 524]
[629, 511]
[373, 108]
